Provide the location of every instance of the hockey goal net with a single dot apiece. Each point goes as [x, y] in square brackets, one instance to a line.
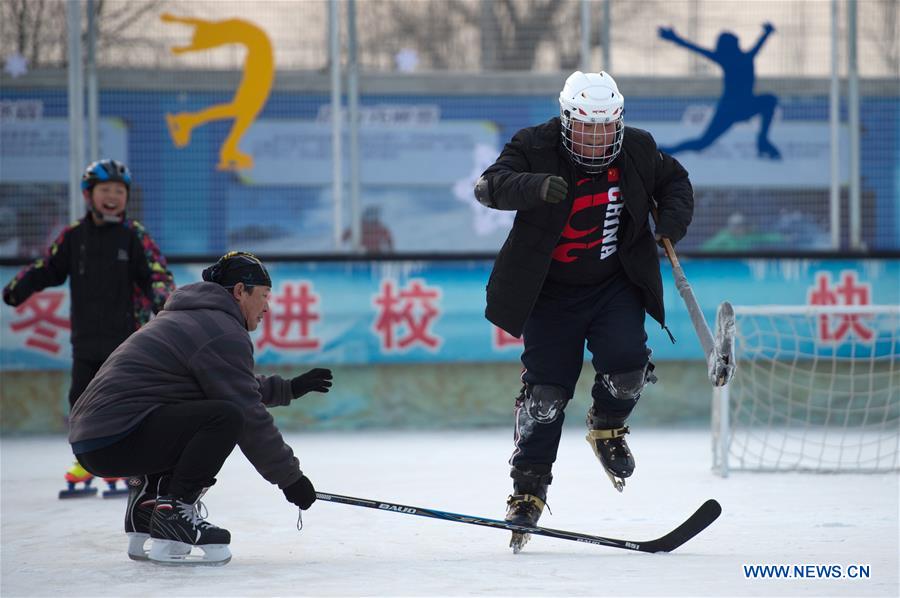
[817, 388]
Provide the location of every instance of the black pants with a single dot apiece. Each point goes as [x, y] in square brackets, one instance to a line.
[83, 371]
[187, 441]
[611, 319]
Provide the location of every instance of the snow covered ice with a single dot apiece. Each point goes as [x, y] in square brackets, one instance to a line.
[77, 547]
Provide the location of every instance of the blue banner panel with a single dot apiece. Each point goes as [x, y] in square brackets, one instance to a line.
[432, 312]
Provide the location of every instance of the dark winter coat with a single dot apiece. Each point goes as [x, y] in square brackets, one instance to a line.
[514, 182]
[196, 349]
[117, 277]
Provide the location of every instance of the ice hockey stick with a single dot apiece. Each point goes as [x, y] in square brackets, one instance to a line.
[693, 525]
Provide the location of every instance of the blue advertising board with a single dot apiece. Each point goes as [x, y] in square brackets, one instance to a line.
[432, 312]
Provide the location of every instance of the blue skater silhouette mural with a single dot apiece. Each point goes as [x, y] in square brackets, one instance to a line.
[737, 103]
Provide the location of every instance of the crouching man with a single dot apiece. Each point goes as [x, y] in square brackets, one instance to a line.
[170, 404]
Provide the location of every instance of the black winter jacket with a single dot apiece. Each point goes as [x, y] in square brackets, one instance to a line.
[117, 277]
[197, 349]
[514, 181]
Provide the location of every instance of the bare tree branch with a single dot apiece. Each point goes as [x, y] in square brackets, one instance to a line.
[37, 27]
[446, 34]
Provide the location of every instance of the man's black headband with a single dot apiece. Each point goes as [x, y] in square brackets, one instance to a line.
[235, 267]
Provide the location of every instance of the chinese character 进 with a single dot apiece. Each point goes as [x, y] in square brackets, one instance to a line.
[288, 325]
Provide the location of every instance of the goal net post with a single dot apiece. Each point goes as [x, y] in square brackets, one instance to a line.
[816, 389]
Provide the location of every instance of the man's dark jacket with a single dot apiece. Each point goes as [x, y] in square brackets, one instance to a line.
[196, 349]
[514, 182]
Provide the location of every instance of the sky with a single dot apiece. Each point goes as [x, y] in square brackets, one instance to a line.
[77, 547]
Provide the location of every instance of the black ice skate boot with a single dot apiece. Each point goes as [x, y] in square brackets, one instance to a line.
[525, 505]
[142, 493]
[176, 527]
[606, 435]
[141, 500]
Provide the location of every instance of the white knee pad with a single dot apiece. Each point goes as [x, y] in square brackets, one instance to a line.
[544, 402]
[627, 386]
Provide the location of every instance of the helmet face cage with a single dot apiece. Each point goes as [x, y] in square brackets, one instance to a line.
[599, 146]
[105, 171]
[603, 143]
[591, 114]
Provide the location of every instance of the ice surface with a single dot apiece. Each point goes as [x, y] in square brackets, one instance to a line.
[77, 547]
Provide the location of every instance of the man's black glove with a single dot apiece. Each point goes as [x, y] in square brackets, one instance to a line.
[553, 189]
[318, 379]
[301, 493]
[9, 297]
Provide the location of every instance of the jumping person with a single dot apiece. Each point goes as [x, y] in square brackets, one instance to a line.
[580, 264]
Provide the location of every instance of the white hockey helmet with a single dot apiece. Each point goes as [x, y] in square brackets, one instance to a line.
[592, 99]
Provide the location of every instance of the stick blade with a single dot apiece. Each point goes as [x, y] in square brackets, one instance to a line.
[721, 363]
[696, 523]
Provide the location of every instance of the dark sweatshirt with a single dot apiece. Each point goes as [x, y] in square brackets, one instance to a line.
[196, 349]
[117, 276]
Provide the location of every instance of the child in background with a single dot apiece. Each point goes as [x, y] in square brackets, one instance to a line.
[117, 277]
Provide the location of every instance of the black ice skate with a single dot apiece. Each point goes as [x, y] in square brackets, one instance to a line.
[607, 439]
[176, 527]
[523, 509]
[142, 493]
[141, 501]
[526, 505]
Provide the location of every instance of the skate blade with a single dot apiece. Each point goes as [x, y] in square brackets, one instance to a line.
[79, 493]
[171, 553]
[617, 482]
[115, 493]
[136, 546]
[518, 541]
[139, 551]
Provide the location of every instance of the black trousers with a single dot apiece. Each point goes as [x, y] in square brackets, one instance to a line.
[610, 318]
[83, 371]
[188, 441]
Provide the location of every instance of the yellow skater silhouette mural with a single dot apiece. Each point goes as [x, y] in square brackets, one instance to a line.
[251, 94]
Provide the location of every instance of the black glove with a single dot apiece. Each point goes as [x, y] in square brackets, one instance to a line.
[553, 189]
[301, 493]
[9, 297]
[318, 379]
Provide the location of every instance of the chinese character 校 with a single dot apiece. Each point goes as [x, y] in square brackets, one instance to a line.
[405, 315]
